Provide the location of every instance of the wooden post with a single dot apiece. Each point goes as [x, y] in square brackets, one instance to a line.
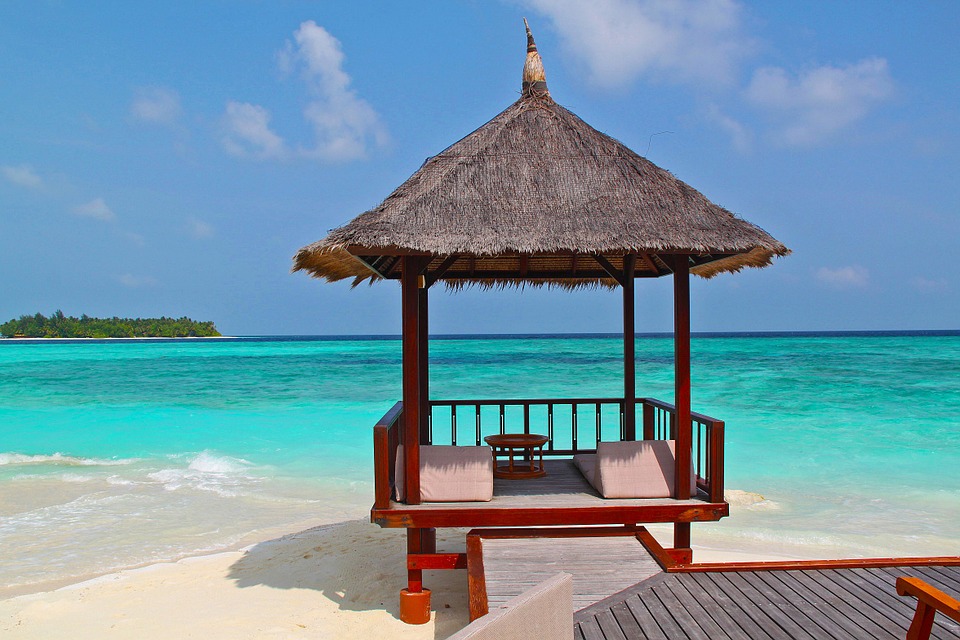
[412, 385]
[681, 346]
[629, 350]
[424, 362]
[414, 600]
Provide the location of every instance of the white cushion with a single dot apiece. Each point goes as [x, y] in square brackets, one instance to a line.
[638, 469]
[450, 474]
[587, 463]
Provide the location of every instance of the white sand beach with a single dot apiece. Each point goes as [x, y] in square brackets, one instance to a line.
[333, 581]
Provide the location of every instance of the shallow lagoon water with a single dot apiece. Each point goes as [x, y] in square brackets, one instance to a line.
[116, 454]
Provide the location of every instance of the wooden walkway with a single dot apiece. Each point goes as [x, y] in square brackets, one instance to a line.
[599, 565]
[779, 604]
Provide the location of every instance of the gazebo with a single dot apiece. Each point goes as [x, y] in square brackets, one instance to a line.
[537, 197]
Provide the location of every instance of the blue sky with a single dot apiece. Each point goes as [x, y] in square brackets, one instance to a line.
[170, 158]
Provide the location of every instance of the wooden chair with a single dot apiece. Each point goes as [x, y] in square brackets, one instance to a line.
[929, 601]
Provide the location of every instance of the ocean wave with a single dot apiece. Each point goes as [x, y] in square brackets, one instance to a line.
[10, 458]
[224, 475]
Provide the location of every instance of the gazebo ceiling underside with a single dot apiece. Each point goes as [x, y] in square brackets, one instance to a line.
[533, 197]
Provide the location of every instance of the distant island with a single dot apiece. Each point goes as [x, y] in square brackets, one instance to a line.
[61, 326]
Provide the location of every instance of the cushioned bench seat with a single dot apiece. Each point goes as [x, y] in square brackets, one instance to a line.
[450, 474]
[640, 469]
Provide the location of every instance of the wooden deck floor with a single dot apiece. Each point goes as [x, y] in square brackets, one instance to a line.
[600, 566]
[538, 501]
[563, 486]
[747, 605]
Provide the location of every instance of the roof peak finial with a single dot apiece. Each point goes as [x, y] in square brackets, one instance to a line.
[534, 78]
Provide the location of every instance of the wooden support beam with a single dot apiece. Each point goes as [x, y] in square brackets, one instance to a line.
[629, 349]
[414, 575]
[681, 346]
[437, 561]
[439, 272]
[612, 271]
[647, 260]
[476, 579]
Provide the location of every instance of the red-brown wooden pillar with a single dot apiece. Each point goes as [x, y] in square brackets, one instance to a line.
[629, 349]
[681, 346]
[412, 384]
[414, 600]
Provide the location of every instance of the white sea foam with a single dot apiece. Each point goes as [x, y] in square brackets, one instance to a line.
[75, 477]
[11, 458]
[224, 475]
[206, 462]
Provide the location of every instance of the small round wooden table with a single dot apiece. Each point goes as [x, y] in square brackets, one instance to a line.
[509, 443]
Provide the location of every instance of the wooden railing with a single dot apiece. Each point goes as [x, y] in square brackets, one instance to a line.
[659, 423]
[930, 601]
[386, 437]
[573, 425]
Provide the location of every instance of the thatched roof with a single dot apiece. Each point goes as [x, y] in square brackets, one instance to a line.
[532, 196]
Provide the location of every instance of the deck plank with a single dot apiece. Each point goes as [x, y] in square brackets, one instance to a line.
[847, 603]
[781, 612]
[644, 619]
[628, 624]
[680, 614]
[836, 616]
[649, 606]
[715, 610]
[609, 626]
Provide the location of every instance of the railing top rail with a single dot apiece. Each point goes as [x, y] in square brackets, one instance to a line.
[390, 417]
[524, 401]
[699, 417]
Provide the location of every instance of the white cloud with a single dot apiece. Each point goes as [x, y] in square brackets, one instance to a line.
[132, 281]
[135, 238]
[740, 135]
[23, 176]
[850, 277]
[821, 101]
[156, 105]
[928, 285]
[199, 229]
[344, 123]
[248, 132]
[620, 40]
[96, 209]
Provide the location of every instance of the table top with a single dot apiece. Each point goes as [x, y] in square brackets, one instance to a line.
[516, 440]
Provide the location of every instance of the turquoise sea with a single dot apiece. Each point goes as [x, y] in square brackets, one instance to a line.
[121, 453]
